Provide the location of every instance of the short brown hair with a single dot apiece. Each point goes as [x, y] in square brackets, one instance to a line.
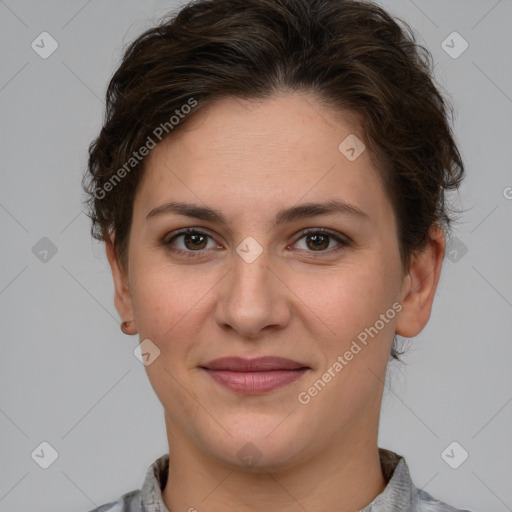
[352, 55]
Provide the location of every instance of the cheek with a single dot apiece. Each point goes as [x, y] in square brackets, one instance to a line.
[169, 304]
[170, 313]
[350, 298]
[352, 305]
[357, 349]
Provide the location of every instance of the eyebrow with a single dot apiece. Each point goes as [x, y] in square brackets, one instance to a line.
[291, 214]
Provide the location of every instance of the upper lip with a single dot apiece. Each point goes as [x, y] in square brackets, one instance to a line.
[259, 364]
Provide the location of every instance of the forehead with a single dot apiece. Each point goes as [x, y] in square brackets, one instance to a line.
[249, 156]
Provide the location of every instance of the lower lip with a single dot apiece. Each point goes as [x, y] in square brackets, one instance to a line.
[254, 383]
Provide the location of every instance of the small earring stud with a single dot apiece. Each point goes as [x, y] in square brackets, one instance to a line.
[125, 326]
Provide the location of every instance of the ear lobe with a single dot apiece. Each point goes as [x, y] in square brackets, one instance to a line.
[122, 296]
[420, 285]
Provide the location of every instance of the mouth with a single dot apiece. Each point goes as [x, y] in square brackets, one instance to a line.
[254, 376]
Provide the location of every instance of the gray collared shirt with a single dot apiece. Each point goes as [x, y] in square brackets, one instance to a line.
[400, 494]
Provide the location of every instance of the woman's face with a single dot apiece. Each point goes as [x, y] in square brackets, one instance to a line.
[248, 282]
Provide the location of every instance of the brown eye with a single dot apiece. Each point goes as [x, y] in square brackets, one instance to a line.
[190, 242]
[320, 240]
[194, 241]
[316, 242]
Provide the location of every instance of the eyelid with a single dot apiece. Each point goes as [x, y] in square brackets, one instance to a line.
[184, 231]
[166, 241]
[330, 232]
[342, 240]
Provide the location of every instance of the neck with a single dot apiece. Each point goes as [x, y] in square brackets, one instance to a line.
[345, 477]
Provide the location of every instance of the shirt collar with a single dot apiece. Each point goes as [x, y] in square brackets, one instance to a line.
[399, 495]
[154, 482]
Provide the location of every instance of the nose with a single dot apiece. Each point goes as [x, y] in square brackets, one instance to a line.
[252, 300]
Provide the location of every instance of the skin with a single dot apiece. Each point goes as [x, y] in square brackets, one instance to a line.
[249, 160]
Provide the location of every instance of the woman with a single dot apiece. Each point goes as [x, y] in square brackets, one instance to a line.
[270, 185]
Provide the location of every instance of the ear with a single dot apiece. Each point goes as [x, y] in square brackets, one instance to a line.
[122, 296]
[420, 285]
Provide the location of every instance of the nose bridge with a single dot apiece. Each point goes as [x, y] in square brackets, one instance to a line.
[250, 264]
[250, 282]
[251, 299]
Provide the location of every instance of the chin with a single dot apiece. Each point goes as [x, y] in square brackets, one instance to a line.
[258, 443]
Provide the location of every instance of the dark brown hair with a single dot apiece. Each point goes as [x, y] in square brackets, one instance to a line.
[352, 55]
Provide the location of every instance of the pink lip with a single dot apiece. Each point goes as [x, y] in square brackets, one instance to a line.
[254, 376]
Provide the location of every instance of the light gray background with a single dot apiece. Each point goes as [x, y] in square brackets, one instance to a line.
[68, 374]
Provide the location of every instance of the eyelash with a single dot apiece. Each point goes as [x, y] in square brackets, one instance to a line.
[194, 254]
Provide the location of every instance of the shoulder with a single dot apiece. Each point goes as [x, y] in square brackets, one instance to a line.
[150, 494]
[129, 502]
[401, 493]
[427, 503]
